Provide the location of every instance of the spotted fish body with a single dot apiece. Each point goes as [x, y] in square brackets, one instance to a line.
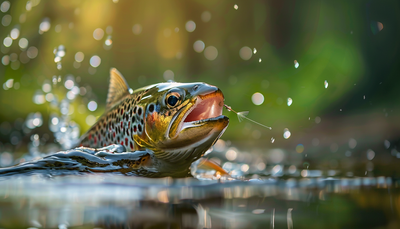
[177, 122]
[118, 125]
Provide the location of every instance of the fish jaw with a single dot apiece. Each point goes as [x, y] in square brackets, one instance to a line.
[195, 129]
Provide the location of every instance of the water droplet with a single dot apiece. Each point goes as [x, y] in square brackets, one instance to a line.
[137, 29]
[190, 26]
[198, 46]
[211, 53]
[168, 75]
[257, 98]
[326, 84]
[364, 97]
[254, 50]
[289, 101]
[5, 6]
[245, 53]
[259, 60]
[44, 25]
[236, 7]
[296, 64]
[272, 140]
[98, 34]
[286, 133]
[92, 105]
[206, 16]
[95, 61]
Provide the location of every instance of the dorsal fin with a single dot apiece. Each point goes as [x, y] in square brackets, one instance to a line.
[117, 89]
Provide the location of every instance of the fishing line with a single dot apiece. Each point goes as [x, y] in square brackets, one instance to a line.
[242, 115]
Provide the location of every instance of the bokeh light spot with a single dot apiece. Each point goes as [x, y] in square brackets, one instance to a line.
[299, 148]
[7, 41]
[211, 53]
[23, 43]
[206, 16]
[92, 105]
[6, 20]
[198, 46]
[5, 6]
[98, 34]
[168, 75]
[79, 56]
[257, 98]
[190, 26]
[95, 61]
[14, 33]
[245, 53]
[137, 29]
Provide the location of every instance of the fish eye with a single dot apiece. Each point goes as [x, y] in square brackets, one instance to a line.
[173, 98]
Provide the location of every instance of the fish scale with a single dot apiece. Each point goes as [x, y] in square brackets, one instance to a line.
[118, 125]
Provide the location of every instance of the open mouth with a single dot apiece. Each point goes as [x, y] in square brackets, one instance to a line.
[207, 107]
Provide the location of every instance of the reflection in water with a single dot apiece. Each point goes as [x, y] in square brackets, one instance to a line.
[116, 201]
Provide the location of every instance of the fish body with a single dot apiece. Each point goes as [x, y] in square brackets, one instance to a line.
[177, 122]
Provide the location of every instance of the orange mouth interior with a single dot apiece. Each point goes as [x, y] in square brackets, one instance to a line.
[207, 106]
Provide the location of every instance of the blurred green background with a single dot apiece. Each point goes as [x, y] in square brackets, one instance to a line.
[336, 61]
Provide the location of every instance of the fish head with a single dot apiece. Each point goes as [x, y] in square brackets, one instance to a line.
[181, 120]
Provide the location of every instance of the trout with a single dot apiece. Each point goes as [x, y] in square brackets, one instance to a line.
[154, 131]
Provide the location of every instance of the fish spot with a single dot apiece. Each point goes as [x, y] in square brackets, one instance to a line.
[126, 141]
[122, 111]
[151, 108]
[140, 128]
[134, 128]
[140, 111]
[122, 142]
[131, 145]
[141, 121]
[133, 119]
[134, 110]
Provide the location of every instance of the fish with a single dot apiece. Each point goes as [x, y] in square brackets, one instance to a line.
[154, 131]
[177, 122]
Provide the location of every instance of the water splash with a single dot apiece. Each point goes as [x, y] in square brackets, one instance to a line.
[289, 101]
[286, 133]
[326, 84]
